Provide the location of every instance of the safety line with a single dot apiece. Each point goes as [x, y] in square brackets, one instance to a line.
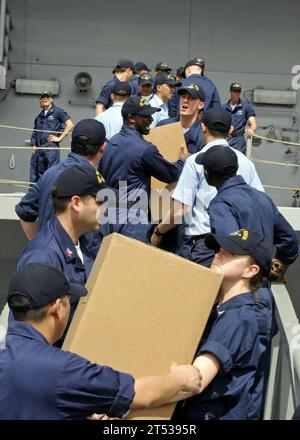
[276, 140]
[11, 147]
[281, 187]
[270, 162]
[29, 129]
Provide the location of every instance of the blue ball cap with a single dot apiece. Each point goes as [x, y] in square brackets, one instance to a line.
[194, 90]
[219, 160]
[138, 106]
[89, 132]
[79, 180]
[40, 284]
[218, 119]
[243, 242]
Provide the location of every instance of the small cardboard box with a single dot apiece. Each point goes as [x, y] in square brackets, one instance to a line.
[145, 309]
[168, 139]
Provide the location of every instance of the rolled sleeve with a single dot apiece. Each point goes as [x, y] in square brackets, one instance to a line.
[62, 115]
[85, 388]
[125, 395]
[230, 338]
[220, 352]
[28, 208]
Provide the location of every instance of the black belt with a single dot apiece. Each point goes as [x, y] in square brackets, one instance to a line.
[236, 135]
[198, 237]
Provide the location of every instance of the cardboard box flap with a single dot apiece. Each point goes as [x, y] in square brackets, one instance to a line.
[168, 139]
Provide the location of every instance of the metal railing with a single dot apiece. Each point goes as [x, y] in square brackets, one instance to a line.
[283, 391]
[2, 29]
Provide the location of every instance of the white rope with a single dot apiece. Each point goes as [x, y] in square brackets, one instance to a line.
[276, 140]
[281, 187]
[11, 147]
[28, 129]
[24, 184]
[270, 162]
[18, 183]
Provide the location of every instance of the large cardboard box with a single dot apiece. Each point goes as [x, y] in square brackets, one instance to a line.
[145, 309]
[169, 139]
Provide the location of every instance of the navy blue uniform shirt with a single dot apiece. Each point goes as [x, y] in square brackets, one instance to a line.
[212, 97]
[39, 381]
[37, 203]
[106, 91]
[193, 137]
[128, 157]
[238, 205]
[239, 116]
[53, 246]
[54, 120]
[238, 335]
[134, 85]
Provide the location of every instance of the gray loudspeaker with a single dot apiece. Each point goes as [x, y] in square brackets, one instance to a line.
[82, 81]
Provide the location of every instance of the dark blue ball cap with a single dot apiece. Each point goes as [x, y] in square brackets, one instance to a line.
[139, 66]
[145, 78]
[194, 90]
[219, 160]
[79, 180]
[89, 132]
[243, 242]
[197, 61]
[236, 87]
[166, 79]
[41, 284]
[138, 106]
[218, 119]
[124, 63]
[163, 67]
[122, 88]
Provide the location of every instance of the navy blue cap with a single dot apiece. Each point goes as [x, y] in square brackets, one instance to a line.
[194, 90]
[163, 66]
[180, 71]
[46, 93]
[219, 160]
[40, 284]
[197, 61]
[218, 119]
[89, 132]
[122, 88]
[141, 66]
[243, 242]
[166, 79]
[79, 180]
[145, 78]
[138, 106]
[124, 63]
[235, 87]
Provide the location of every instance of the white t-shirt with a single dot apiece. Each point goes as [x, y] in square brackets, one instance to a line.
[193, 190]
[79, 252]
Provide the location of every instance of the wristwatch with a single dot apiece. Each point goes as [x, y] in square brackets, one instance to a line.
[157, 232]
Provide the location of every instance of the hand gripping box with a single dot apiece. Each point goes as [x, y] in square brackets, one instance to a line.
[145, 309]
[168, 139]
